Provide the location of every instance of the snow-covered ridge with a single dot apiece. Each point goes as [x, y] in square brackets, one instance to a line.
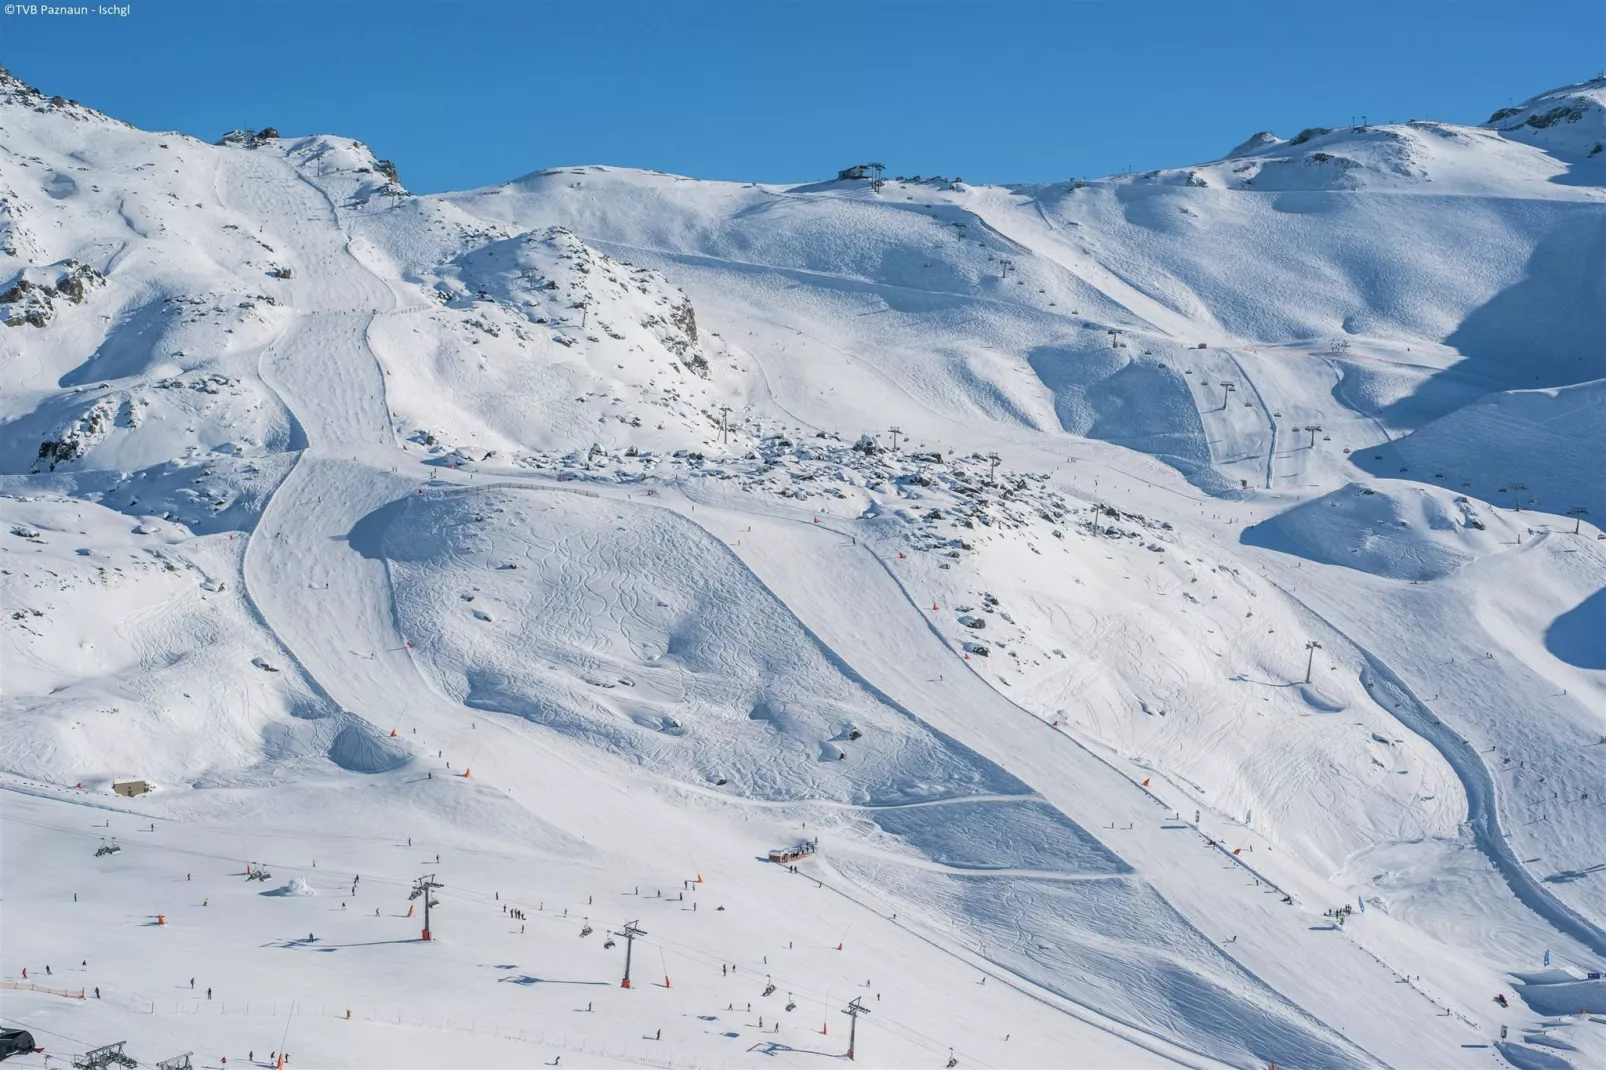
[1569, 122]
[14, 91]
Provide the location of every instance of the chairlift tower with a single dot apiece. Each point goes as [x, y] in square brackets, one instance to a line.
[894, 432]
[1227, 388]
[1314, 429]
[177, 1062]
[629, 932]
[876, 181]
[1312, 646]
[992, 468]
[424, 887]
[854, 1009]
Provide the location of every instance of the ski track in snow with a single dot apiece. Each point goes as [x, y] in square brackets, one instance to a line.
[1481, 800]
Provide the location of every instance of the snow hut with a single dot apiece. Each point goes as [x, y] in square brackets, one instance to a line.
[130, 788]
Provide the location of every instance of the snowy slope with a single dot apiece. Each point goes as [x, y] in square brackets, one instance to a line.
[982, 533]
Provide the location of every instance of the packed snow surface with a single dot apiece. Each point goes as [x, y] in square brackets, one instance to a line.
[1154, 621]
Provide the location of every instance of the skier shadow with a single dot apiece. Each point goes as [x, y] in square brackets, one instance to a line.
[775, 1047]
[526, 979]
[299, 944]
[1567, 876]
[1245, 678]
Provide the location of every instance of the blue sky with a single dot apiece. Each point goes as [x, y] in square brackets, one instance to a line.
[462, 94]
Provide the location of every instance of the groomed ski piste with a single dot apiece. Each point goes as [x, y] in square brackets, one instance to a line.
[1207, 671]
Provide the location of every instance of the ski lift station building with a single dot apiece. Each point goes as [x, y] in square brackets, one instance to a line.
[131, 787]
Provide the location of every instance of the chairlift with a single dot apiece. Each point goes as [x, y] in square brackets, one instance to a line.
[791, 1004]
[608, 943]
[586, 931]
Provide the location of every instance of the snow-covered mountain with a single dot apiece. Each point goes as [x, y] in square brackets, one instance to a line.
[1170, 603]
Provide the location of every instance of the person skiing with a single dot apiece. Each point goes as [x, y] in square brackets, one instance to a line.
[192, 984]
[97, 991]
[25, 973]
[47, 969]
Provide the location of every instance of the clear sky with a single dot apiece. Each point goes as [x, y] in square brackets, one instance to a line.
[463, 93]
